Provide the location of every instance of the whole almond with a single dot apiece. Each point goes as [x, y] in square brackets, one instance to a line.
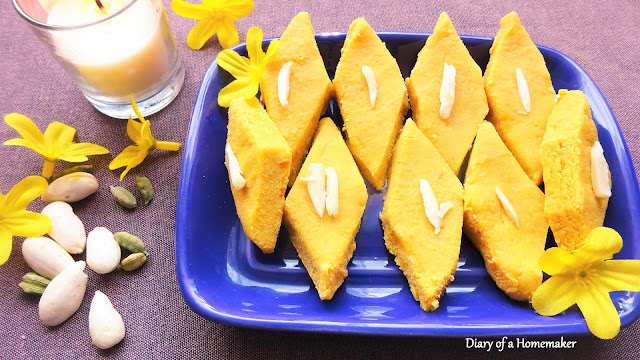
[63, 295]
[45, 256]
[103, 251]
[66, 228]
[105, 323]
[71, 188]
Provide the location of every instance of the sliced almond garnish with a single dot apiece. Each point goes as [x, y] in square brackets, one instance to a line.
[523, 90]
[370, 77]
[430, 205]
[235, 173]
[316, 186]
[447, 90]
[444, 207]
[599, 172]
[283, 83]
[332, 191]
[511, 212]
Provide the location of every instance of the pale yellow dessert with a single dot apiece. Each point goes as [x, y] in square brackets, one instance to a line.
[448, 106]
[426, 253]
[504, 215]
[520, 94]
[571, 205]
[372, 99]
[323, 238]
[296, 110]
[258, 161]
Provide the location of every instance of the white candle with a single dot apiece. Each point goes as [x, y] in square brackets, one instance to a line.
[127, 54]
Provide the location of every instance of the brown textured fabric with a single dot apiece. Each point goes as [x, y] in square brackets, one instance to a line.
[600, 35]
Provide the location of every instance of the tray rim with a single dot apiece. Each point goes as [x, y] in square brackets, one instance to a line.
[204, 309]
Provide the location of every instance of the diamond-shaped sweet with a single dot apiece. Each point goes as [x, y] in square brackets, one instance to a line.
[427, 260]
[511, 250]
[265, 160]
[325, 244]
[371, 130]
[521, 130]
[453, 135]
[570, 205]
[309, 88]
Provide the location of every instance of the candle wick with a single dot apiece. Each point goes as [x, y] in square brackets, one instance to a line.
[99, 3]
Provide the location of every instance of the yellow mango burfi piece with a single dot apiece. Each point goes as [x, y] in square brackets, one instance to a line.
[511, 249]
[265, 160]
[571, 206]
[521, 130]
[371, 129]
[452, 136]
[309, 88]
[427, 260]
[325, 244]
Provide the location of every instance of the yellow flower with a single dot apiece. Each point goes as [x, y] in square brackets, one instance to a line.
[214, 16]
[585, 277]
[140, 132]
[15, 220]
[247, 71]
[55, 144]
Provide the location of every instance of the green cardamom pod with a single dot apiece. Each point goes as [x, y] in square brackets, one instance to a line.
[30, 288]
[35, 279]
[79, 168]
[133, 261]
[146, 189]
[130, 242]
[123, 197]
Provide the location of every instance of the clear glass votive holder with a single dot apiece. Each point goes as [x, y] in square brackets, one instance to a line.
[125, 48]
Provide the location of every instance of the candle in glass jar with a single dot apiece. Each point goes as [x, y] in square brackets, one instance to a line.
[118, 57]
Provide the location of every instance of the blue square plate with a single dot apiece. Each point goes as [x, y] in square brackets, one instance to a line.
[227, 279]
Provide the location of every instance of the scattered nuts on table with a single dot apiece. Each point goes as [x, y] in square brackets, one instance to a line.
[71, 188]
[103, 252]
[66, 228]
[105, 323]
[45, 256]
[63, 295]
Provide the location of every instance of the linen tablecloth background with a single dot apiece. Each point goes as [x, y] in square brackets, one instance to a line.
[602, 36]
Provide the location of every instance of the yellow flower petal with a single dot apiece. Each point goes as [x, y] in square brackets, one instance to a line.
[241, 88]
[254, 45]
[22, 193]
[141, 119]
[125, 157]
[27, 223]
[188, 10]
[22, 142]
[135, 162]
[555, 295]
[227, 33]
[25, 127]
[77, 152]
[236, 65]
[601, 244]
[145, 134]
[133, 129]
[5, 245]
[617, 275]
[273, 47]
[238, 8]
[556, 260]
[598, 310]
[200, 33]
[57, 136]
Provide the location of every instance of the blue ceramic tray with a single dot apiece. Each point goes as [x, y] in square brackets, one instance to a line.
[227, 279]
